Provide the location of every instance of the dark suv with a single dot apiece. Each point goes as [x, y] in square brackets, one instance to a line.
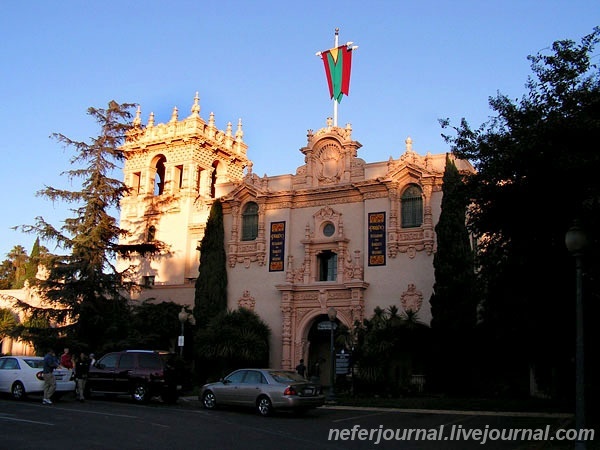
[142, 374]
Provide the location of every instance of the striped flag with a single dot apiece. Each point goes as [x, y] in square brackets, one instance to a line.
[337, 62]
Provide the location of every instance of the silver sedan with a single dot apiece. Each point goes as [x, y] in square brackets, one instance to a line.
[263, 389]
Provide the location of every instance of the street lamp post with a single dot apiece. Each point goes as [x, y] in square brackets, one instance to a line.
[332, 314]
[576, 241]
[184, 317]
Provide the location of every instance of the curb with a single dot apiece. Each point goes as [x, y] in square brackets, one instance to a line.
[456, 412]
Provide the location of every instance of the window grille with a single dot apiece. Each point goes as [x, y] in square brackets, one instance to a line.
[250, 222]
[412, 207]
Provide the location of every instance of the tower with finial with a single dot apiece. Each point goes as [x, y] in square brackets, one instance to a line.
[174, 171]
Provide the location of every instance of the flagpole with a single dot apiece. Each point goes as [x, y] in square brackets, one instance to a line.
[335, 103]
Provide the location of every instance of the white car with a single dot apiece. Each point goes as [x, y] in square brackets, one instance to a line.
[22, 375]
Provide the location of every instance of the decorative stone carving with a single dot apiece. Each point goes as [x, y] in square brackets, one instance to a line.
[247, 301]
[411, 299]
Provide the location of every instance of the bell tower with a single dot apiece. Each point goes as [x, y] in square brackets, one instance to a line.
[174, 171]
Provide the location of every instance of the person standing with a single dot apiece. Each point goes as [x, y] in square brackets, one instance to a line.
[301, 368]
[50, 363]
[82, 367]
[66, 359]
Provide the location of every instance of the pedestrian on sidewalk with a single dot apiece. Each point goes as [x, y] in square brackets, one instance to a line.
[51, 362]
[82, 367]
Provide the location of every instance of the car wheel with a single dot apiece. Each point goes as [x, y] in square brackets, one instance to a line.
[140, 393]
[209, 401]
[18, 391]
[264, 406]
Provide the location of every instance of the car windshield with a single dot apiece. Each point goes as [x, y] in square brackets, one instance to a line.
[286, 377]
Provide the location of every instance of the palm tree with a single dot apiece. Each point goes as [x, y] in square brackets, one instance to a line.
[231, 340]
[8, 324]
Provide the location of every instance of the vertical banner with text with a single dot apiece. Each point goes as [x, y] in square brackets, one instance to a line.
[277, 246]
[377, 248]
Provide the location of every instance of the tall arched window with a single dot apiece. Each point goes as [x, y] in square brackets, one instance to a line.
[412, 207]
[250, 222]
[159, 178]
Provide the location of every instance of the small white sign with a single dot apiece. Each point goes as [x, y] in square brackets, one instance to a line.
[180, 341]
[326, 326]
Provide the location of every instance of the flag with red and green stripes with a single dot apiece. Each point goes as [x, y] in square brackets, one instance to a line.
[337, 63]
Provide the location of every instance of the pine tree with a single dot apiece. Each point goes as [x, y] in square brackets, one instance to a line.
[84, 290]
[211, 284]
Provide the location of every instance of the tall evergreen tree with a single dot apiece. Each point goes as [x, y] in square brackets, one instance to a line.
[211, 284]
[84, 290]
[454, 300]
[31, 268]
[18, 256]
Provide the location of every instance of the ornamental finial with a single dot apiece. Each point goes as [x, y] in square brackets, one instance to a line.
[138, 117]
[239, 134]
[196, 106]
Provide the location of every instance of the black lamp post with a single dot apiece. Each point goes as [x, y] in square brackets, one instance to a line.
[576, 241]
[184, 317]
[332, 314]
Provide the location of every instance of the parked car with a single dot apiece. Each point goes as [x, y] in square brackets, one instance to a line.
[23, 375]
[264, 389]
[141, 374]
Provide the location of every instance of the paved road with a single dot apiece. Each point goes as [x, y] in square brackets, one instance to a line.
[120, 424]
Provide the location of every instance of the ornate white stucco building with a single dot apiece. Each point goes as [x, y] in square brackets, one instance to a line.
[340, 232]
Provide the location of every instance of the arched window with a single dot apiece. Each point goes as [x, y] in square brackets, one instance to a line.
[327, 264]
[250, 222]
[159, 178]
[412, 207]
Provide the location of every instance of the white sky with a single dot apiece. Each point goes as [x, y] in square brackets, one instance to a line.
[417, 62]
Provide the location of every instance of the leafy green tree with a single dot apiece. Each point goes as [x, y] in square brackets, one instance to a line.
[7, 274]
[84, 291]
[536, 172]
[154, 325]
[454, 299]
[211, 285]
[231, 340]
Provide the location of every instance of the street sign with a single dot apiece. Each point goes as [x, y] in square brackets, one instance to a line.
[326, 326]
[342, 364]
[180, 341]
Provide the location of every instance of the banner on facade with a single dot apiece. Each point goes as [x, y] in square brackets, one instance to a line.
[377, 247]
[277, 246]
